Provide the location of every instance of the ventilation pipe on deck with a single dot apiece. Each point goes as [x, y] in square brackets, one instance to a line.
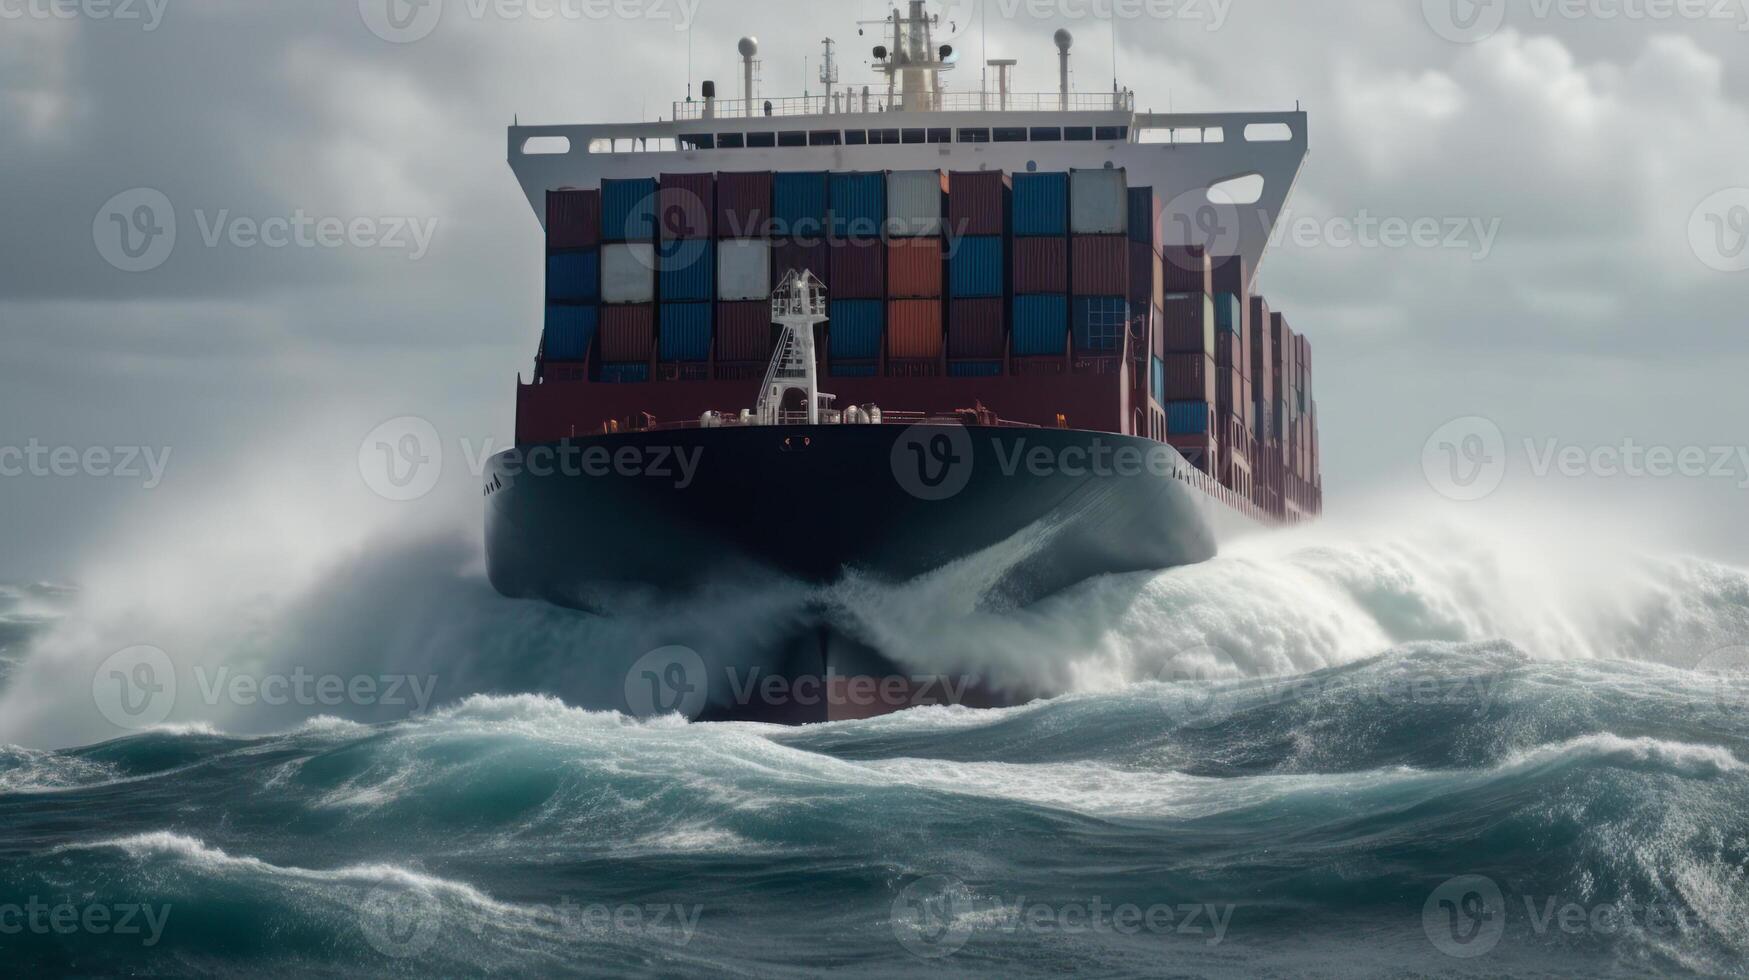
[749, 47]
[1065, 41]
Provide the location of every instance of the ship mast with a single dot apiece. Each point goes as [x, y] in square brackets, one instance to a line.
[913, 66]
[798, 305]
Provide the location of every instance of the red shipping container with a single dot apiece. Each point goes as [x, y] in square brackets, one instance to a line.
[628, 333]
[1229, 390]
[1262, 350]
[859, 269]
[1100, 264]
[1190, 378]
[914, 268]
[1198, 450]
[1230, 352]
[976, 329]
[573, 219]
[1041, 265]
[914, 329]
[1185, 326]
[1187, 269]
[1227, 275]
[743, 205]
[977, 202]
[810, 254]
[1144, 271]
[744, 332]
[685, 205]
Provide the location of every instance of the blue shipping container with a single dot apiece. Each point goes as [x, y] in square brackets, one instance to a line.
[628, 210]
[1041, 205]
[625, 373]
[856, 328]
[685, 333]
[688, 270]
[975, 266]
[974, 369]
[1041, 324]
[574, 277]
[859, 205]
[1187, 418]
[1229, 313]
[569, 332]
[798, 205]
[1158, 377]
[854, 370]
[1143, 216]
[1100, 322]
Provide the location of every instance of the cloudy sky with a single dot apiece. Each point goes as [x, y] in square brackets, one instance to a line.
[1596, 152]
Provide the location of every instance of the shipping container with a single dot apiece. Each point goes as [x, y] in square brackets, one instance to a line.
[800, 255]
[915, 200]
[864, 370]
[628, 273]
[685, 205]
[570, 330]
[1040, 205]
[1190, 418]
[798, 205]
[1186, 269]
[1147, 217]
[856, 329]
[1041, 265]
[743, 269]
[1230, 315]
[687, 270]
[743, 332]
[976, 329]
[1099, 265]
[1188, 377]
[914, 268]
[1228, 275]
[685, 333]
[1188, 324]
[858, 204]
[1099, 202]
[977, 202]
[628, 210]
[574, 277]
[1145, 285]
[573, 219]
[743, 205]
[1040, 325]
[914, 329]
[1100, 323]
[634, 373]
[929, 367]
[1157, 379]
[628, 333]
[975, 266]
[1199, 450]
[859, 269]
[974, 369]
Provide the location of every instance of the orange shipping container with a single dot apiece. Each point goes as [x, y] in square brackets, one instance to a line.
[914, 268]
[914, 328]
[628, 333]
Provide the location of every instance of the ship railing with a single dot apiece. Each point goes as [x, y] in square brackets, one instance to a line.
[801, 418]
[853, 103]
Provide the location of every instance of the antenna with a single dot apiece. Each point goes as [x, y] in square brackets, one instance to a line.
[829, 70]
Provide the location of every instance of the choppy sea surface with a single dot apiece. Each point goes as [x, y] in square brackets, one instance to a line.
[1425, 753]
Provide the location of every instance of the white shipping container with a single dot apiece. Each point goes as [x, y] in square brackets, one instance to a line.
[1099, 202]
[743, 269]
[628, 273]
[914, 203]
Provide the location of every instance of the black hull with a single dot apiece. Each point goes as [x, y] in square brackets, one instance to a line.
[576, 523]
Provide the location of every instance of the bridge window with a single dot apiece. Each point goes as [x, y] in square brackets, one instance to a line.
[761, 139]
[913, 135]
[883, 136]
[941, 136]
[1112, 133]
[1046, 134]
[825, 137]
[974, 136]
[730, 141]
[1078, 134]
[855, 137]
[1010, 134]
[698, 141]
[792, 138]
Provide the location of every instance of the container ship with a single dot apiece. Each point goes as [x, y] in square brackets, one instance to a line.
[888, 329]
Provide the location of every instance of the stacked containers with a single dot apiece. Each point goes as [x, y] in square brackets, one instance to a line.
[686, 268]
[628, 279]
[977, 218]
[1039, 222]
[1283, 416]
[1233, 366]
[1099, 256]
[573, 275]
[1265, 457]
[1188, 340]
[855, 214]
[916, 258]
[746, 265]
